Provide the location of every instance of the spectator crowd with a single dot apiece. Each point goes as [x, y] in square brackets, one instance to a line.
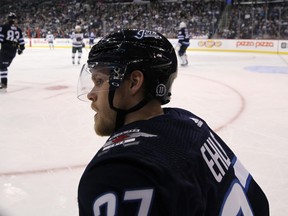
[205, 19]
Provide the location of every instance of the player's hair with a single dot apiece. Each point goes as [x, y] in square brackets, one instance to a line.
[182, 25]
[77, 28]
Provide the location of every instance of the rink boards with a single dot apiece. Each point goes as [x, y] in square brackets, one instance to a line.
[214, 45]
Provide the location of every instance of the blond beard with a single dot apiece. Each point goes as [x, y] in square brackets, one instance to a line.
[105, 125]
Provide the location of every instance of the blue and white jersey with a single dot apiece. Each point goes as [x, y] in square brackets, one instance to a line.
[183, 36]
[91, 38]
[172, 165]
[11, 36]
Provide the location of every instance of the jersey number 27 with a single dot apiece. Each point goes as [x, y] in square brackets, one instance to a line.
[110, 200]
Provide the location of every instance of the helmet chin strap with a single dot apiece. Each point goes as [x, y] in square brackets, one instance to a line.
[121, 114]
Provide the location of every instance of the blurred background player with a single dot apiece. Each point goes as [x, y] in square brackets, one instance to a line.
[11, 40]
[50, 39]
[77, 44]
[184, 42]
[91, 39]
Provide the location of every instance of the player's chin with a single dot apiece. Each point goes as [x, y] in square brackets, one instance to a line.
[102, 131]
[102, 127]
[99, 120]
[97, 123]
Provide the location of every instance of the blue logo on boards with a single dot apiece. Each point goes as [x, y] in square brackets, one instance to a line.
[267, 69]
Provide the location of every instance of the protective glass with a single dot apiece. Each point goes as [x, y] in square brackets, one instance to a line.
[93, 76]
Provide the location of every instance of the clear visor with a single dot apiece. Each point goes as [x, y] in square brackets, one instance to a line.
[97, 77]
[85, 83]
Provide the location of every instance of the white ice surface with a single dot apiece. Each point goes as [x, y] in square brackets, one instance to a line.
[47, 137]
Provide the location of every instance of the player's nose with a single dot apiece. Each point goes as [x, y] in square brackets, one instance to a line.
[92, 96]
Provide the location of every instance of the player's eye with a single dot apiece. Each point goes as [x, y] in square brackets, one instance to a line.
[98, 81]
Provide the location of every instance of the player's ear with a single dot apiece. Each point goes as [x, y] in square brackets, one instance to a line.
[136, 81]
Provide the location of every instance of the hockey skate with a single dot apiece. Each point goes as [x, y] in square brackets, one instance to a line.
[3, 88]
[184, 60]
[184, 63]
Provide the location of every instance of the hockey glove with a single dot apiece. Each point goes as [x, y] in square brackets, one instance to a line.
[20, 49]
[83, 45]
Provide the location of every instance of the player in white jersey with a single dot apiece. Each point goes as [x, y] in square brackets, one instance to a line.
[50, 39]
[77, 44]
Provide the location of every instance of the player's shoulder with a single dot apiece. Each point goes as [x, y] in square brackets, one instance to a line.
[5, 26]
[191, 126]
[19, 29]
[186, 117]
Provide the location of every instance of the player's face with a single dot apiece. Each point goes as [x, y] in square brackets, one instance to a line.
[13, 21]
[105, 117]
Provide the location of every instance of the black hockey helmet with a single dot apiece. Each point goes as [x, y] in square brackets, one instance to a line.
[133, 49]
[147, 51]
[12, 17]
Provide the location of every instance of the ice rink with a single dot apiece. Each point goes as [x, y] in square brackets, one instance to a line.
[47, 137]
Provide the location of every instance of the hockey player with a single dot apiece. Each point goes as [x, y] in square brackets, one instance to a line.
[184, 42]
[11, 41]
[77, 44]
[50, 39]
[91, 39]
[157, 161]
